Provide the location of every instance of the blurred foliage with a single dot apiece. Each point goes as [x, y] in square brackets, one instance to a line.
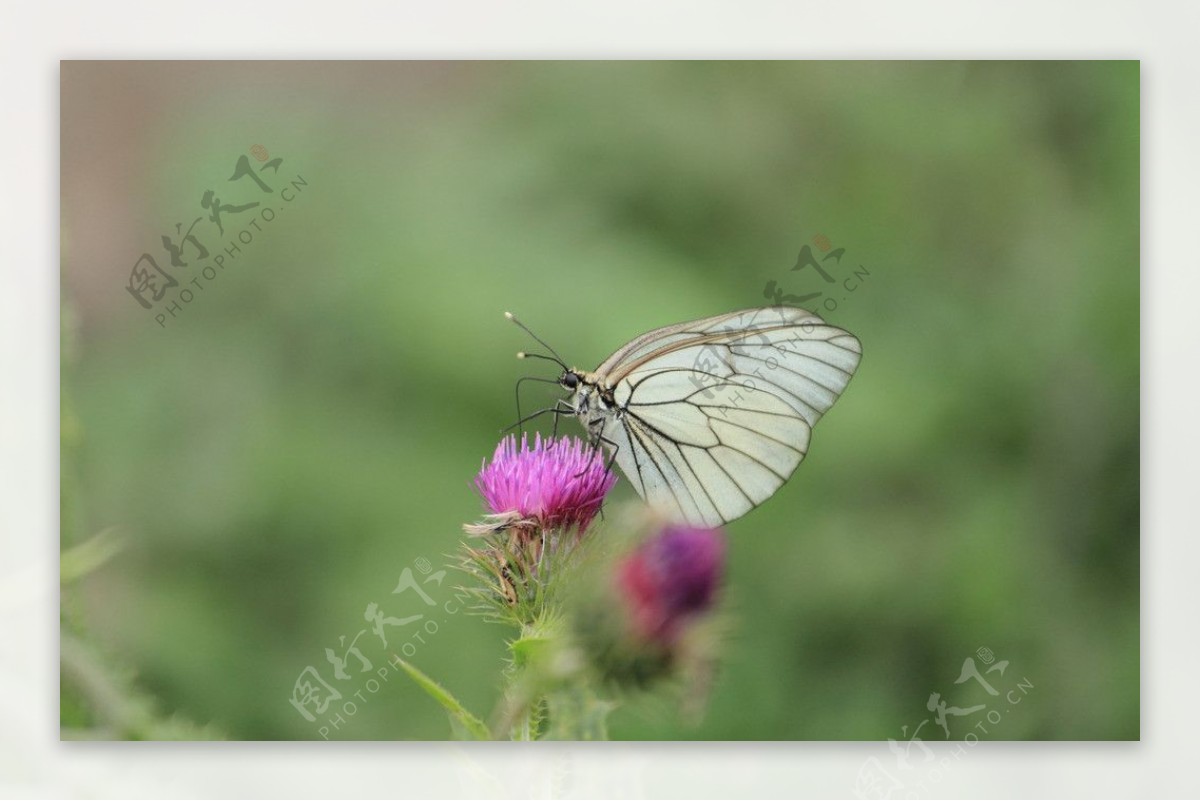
[99, 695]
[308, 426]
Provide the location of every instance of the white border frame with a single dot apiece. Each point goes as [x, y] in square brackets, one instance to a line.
[34, 37]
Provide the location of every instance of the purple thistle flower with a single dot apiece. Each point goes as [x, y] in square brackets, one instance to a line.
[555, 484]
[671, 578]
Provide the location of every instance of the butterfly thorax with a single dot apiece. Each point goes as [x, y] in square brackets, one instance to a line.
[593, 401]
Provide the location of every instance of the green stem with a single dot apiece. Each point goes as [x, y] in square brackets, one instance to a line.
[524, 696]
[542, 685]
[578, 713]
[529, 722]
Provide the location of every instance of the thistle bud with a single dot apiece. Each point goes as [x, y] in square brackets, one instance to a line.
[670, 579]
[647, 613]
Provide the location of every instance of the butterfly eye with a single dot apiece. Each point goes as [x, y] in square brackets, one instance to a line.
[570, 380]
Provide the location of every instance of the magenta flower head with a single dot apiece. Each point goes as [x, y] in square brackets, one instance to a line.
[555, 484]
[671, 578]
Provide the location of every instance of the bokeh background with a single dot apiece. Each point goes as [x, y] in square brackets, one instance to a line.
[239, 483]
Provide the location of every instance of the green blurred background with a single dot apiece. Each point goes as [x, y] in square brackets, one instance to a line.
[309, 424]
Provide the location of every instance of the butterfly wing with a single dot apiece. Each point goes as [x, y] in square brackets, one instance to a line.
[718, 412]
[680, 332]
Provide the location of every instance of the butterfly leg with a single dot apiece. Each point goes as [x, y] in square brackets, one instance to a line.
[599, 440]
[561, 407]
[522, 380]
[595, 441]
[555, 410]
[616, 446]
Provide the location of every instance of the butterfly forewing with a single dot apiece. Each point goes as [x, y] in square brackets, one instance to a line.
[717, 413]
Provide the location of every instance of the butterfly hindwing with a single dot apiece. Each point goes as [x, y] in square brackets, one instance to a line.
[715, 415]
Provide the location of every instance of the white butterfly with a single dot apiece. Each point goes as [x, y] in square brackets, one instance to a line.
[708, 419]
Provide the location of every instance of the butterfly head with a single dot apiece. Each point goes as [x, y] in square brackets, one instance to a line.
[569, 380]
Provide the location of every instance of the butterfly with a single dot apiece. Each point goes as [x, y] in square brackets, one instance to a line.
[707, 419]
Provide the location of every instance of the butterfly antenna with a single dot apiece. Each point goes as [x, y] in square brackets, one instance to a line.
[556, 358]
[525, 355]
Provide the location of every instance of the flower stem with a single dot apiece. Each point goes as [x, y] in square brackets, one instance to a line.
[548, 696]
[526, 672]
[578, 713]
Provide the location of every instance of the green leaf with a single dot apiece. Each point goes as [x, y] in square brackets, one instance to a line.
[464, 724]
[85, 557]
